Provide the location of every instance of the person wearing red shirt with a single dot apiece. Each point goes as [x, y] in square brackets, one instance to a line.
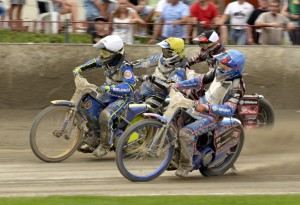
[203, 14]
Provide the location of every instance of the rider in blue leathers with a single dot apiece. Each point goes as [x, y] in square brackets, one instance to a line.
[220, 100]
[116, 91]
[170, 67]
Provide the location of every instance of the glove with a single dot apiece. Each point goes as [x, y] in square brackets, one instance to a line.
[202, 108]
[144, 78]
[76, 71]
[174, 85]
[103, 89]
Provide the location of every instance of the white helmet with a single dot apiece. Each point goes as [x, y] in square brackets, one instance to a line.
[111, 49]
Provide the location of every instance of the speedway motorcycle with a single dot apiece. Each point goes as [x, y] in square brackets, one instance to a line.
[156, 144]
[59, 130]
[254, 111]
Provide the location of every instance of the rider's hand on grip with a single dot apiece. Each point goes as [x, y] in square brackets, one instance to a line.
[201, 107]
[76, 71]
[144, 78]
[103, 89]
[174, 85]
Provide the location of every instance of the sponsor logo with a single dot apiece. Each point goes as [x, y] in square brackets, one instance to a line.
[121, 89]
[246, 110]
[88, 104]
[223, 110]
[214, 108]
[127, 74]
[250, 117]
[248, 102]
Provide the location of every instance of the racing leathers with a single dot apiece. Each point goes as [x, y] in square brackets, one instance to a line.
[207, 56]
[212, 63]
[150, 91]
[119, 87]
[219, 101]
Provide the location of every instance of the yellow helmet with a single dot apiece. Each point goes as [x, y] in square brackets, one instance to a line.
[172, 53]
[173, 44]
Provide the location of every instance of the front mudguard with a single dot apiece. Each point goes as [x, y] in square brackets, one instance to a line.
[156, 116]
[62, 102]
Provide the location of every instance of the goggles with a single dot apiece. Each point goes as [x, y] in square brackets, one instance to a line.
[105, 53]
[167, 53]
[206, 45]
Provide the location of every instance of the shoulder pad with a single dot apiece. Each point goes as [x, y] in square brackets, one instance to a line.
[126, 63]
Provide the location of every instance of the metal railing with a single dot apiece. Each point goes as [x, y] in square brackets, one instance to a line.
[41, 32]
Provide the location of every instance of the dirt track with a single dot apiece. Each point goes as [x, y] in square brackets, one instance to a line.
[269, 164]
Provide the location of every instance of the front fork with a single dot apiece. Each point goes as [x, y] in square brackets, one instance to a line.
[69, 118]
[159, 140]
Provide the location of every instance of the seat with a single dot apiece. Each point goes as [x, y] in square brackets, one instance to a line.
[47, 13]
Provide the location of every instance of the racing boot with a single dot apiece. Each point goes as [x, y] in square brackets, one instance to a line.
[104, 146]
[90, 142]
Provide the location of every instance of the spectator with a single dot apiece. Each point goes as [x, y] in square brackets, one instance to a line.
[253, 33]
[291, 9]
[239, 12]
[2, 14]
[203, 14]
[101, 29]
[66, 7]
[141, 7]
[16, 23]
[121, 19]
[160, 6]
[272, 23]
[145, 11]
[104, 7]
[93, 9]
[174, 15]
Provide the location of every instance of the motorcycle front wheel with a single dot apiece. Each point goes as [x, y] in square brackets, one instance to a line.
[54, 136]
[139, 160]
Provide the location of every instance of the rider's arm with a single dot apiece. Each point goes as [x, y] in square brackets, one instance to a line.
[146, 63]
[127, 86]
[197, 82]
[91, 64]
[229, 107]
[198, 58]
[178, 76]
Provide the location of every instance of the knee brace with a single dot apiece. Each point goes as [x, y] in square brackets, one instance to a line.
[104, 117]
[186, 135]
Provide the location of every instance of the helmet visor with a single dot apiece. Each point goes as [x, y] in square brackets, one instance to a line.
[206, 45]
[104, 54]
[167, 52]
[225, 59]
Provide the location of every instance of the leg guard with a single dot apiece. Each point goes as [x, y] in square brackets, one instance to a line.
[105, 128]
[186, 148]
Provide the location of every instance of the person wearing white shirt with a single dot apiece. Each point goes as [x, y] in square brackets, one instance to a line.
[239, 13]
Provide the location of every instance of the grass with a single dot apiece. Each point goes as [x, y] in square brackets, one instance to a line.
[8, 36]
[155, 200]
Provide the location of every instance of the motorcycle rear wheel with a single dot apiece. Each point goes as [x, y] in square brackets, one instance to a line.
[132, 157]
[229, 161]
[266, 117]
[46, 140]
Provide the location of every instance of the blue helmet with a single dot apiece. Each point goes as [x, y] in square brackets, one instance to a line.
[235, 61]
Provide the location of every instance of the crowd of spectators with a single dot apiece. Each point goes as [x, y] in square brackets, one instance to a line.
[240, 23]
